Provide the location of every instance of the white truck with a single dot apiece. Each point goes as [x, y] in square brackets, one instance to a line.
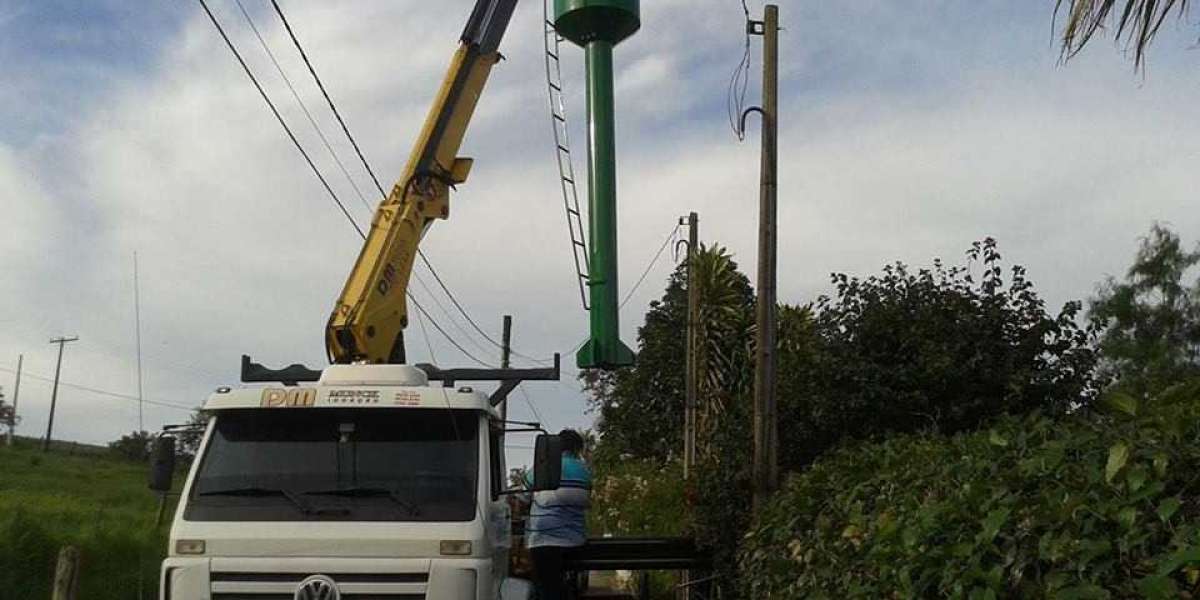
[371, 484]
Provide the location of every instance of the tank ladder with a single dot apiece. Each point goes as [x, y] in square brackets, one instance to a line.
[562, 143]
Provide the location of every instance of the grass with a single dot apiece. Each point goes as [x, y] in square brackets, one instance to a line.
[96, 502]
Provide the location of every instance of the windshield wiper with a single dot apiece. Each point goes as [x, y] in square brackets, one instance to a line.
[293, 497]
[369, 492]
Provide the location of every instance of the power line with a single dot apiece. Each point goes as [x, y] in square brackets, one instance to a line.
[466, 315]
[532, 408]
[278, 117]
[350, 137]
[345, 129]
[321, 134]
[646, 272]
[98, 391]
[445, 311]
[438, 327]
[650, 266]
[332, 106]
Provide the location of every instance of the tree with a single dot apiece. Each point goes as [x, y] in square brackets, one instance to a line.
[936, 349]
[1137, 25]
[641, 408]
[135, 446]
[1150, 322]
[190, 438]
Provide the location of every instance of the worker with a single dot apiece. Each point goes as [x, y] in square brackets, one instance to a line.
[557, 519]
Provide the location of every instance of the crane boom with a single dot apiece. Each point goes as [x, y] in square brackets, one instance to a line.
[369, 318]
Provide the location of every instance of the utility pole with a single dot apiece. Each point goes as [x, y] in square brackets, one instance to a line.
[12, 424]
[692, 386]
[505, 356]
[137, 319]
[61, 341]
[766, 430]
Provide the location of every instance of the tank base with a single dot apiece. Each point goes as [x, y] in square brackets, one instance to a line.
[595, 356]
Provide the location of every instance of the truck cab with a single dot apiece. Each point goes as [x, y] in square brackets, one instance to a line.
[370, 483]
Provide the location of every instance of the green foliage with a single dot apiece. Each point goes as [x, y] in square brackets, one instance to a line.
[95, 503]
[937, 349]
[637, 498]
[1151, 321]
[640, 499]
[641, 409]
[894, 353]
[1089, 505]
[134, 446]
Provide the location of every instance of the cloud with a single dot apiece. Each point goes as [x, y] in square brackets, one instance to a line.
[903, 138]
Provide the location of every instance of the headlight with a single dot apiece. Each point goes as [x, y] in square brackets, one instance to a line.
[189, 547]
[455, 548]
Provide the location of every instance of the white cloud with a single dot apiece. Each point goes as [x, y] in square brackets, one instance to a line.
[241, 251]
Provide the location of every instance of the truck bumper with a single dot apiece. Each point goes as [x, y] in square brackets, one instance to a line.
[247, 578]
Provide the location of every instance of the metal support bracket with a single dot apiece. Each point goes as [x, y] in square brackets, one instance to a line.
[509, 379]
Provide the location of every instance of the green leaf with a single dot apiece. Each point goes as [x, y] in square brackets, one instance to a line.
[992, 524]
[1118, 454]
[1160, 464]
[1127, 516]
[996, 439]
[1157, 587]
[1167, 508]
[1136, 477]
[1082, 592]
[1120, 402]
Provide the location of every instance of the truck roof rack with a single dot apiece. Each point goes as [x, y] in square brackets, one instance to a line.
[509, 379]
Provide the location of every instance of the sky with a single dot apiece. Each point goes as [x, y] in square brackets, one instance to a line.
[907, 131]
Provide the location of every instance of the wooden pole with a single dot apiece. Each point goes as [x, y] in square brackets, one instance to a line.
[12, 423]
[765, 427]
[66, 575]
[692, 386]
[505, 359]
[61, 341]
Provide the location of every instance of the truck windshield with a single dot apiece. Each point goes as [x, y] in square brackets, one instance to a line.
[338, 465]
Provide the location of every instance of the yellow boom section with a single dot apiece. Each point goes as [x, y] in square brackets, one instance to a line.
[368, 321]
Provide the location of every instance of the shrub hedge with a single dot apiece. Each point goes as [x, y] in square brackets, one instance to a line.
[1092, 505]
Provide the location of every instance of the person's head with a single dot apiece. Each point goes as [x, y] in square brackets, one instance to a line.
[572, 442]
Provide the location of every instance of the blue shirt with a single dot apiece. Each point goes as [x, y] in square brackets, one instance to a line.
[559, 517]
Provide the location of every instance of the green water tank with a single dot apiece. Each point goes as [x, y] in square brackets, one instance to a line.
[583, 21]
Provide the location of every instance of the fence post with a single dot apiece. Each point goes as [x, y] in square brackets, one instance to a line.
[66, 574]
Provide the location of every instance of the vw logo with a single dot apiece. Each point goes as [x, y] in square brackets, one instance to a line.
[317, 587]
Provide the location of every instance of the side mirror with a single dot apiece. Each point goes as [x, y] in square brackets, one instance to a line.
[162, 464]
[547, 463]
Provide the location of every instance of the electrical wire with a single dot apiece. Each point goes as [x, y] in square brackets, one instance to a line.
[438, 327]
[328, 99]
[450, 317]
[317, 172]
[529, 402]
[98, 391]
[739, 82]
[345, 129]
[653, 261]
[466, 315]
[671, 236]
[321, 134]
[278, 117]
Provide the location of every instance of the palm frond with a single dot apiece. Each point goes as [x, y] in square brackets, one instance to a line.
[1137, 25]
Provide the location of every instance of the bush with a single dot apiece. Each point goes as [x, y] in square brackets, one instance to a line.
[134, 447]
[941, 349]
[1084, 506]
[640, 499]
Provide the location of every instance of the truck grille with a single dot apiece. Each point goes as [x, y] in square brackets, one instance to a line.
[228, 585]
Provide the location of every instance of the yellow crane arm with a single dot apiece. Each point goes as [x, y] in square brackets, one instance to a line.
[368, 321]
